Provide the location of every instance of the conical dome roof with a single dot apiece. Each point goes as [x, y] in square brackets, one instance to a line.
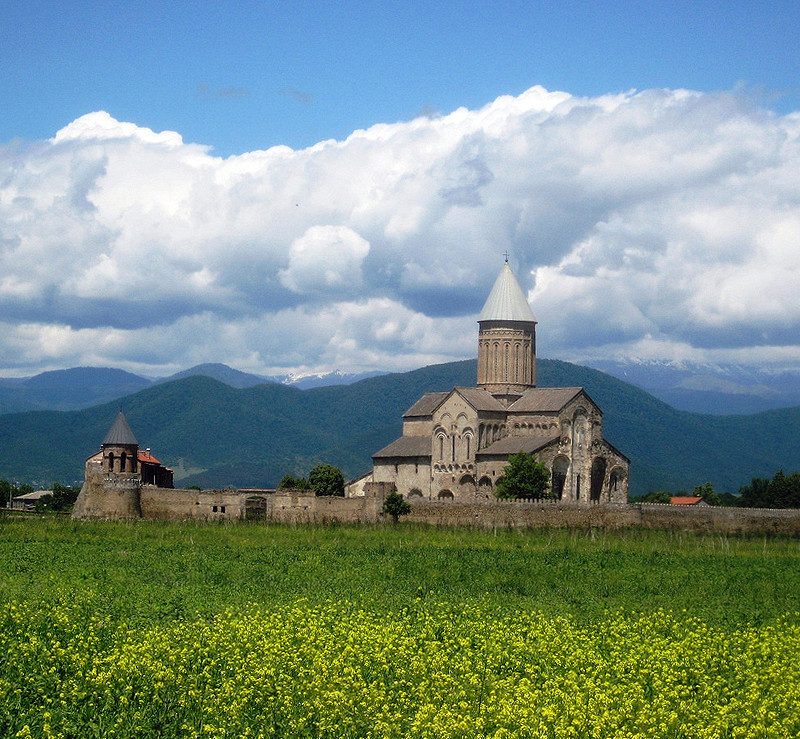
[506, 301]
[120, 433]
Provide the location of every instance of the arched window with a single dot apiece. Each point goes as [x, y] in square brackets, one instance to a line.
[445, 495]
[615, 479]
[111, 461]
[123, 460]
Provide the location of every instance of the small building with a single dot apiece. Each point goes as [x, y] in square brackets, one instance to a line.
[687, 500]
[28, 501]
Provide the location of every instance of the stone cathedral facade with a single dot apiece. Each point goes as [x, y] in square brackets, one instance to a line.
[456, 444]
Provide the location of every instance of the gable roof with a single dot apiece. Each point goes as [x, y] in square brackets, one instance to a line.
[515, 444]
[406, 446]
[146, 457]
[685, 500]
[545, 399]
[506, 301]
[120, 432]
[426, 404]
[478, 398]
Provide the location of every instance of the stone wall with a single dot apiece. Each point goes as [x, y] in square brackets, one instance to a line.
[302, 506]
[719, 520]
[123, 498]
[206, 505]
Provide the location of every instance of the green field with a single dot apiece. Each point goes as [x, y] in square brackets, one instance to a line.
[171, 630]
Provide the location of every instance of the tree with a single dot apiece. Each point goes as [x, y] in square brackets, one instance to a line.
[290, 482]
[63, 497]
[658, 496]
[524, 478]
[783, 491]
[325, 479]
[7, 492]
[707, 493]
[395, 506]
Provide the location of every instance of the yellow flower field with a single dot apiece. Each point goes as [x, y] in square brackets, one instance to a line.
[430, 670]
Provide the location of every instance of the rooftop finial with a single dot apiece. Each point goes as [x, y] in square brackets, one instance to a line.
[505, 254]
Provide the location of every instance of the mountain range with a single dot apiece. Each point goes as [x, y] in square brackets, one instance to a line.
[717, 389]
[83, 387]
[706, 387]
[216, 434]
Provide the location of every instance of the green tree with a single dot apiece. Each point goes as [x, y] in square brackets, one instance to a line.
[707, 493]
[782, 491]
[325, 479]
[63, 497]
[524, 478]
[7, 492]
[290, 482]
[395, 506]
[657, 496]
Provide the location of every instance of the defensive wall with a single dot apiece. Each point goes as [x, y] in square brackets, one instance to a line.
[126, 499]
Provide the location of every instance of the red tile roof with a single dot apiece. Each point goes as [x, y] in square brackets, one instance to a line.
[685, 500]
[145, 456]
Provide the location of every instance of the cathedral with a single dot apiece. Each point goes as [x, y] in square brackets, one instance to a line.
[456, 444]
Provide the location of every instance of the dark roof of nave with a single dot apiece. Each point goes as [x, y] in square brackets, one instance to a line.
[515, 444]
[426, 404]
[533, 400]
[120, 432]
[480, 399]
[544, 399]
[407, 446]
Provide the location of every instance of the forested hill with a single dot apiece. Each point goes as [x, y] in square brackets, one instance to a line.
[215, 435]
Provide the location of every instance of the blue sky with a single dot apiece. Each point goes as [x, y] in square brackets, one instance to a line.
[307, 186]
[249, 75]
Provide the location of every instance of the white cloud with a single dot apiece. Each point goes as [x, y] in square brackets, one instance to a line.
[641, 223]
[325, 259]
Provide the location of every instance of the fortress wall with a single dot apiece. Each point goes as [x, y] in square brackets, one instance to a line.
[522, 514]
[206, 505]
[296, 506]
[100, 497]
[719, 520]
[299, 507]
[126, 498]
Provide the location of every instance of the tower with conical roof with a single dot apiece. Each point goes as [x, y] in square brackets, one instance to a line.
[120, 447]
[506, 339]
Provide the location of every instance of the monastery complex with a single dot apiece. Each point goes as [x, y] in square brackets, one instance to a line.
[456, 444]
[454, 448]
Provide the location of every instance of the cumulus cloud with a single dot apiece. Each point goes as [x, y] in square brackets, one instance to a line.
[326, 260]
[656, 223]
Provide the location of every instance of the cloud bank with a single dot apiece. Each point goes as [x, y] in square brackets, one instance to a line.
[657, 224]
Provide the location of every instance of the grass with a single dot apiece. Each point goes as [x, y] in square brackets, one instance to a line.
[159, 630]
[146, 571]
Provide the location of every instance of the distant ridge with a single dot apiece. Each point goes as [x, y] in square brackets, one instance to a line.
[216, 435]
[221, 372]
[68, 389]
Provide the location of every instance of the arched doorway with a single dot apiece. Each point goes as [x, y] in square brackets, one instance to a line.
[559, 474]
[598, 477]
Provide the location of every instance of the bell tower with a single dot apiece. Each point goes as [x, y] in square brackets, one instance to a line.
[506, 339]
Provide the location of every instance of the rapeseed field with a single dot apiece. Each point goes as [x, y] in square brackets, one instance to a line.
[170, 630]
